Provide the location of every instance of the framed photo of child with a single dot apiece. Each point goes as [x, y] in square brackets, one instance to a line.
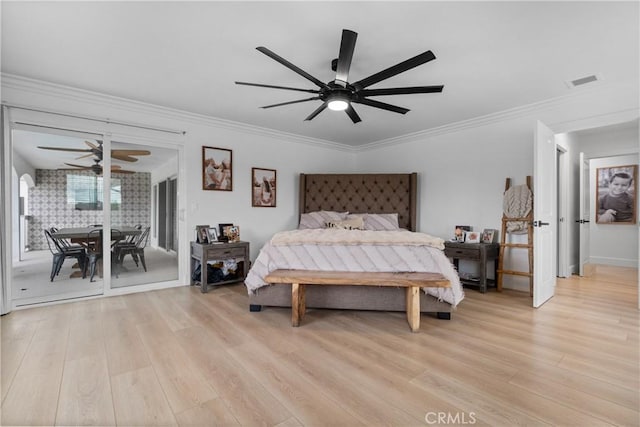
[616, 194]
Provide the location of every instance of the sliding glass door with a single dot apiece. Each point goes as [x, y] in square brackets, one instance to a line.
[150, 254]
[59, 199]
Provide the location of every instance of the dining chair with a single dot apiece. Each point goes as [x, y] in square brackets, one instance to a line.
[64, 242]
[136, 249]
[93, 243]
[61, 253]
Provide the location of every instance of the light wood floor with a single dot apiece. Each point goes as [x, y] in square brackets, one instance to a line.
[179, 357]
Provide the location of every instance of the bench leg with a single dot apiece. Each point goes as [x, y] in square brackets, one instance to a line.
[413, 308]
[298, 304]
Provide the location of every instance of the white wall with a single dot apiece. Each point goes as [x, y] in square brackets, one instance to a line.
[597, 143]
[252, 147]
[462, 170]
[462, 167]
[612, 244]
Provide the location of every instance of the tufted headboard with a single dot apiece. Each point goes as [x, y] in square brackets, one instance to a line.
[361, 193]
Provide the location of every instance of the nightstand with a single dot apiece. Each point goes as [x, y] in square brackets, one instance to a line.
[202, 253]
[480, 252]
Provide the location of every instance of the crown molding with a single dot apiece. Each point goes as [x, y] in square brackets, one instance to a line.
[39, 87]
[512, 113]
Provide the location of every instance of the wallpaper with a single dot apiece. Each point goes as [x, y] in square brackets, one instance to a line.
[48, 205]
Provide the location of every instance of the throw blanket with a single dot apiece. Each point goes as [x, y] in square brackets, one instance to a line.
[333, 236]
[354, 256]
[517, 203]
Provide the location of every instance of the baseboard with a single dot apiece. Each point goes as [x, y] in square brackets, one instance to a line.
[617, 262]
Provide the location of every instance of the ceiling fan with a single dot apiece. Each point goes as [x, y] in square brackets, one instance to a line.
[96, 150]
[339, 94]
[95, 168]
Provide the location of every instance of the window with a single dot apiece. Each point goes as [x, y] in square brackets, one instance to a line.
[84, 192]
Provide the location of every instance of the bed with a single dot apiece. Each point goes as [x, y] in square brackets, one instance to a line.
[380, 194]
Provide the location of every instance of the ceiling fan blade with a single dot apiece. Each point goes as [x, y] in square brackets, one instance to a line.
[79, 150]
[347, 46]
[120, 171]
[382, 105]
[85, 156]
[355, 118]
[401, 90]
[123, 152]
[292, 67]
[92, 145]
[318, 110]
[278, 87]
[123, 157]
[394, 70]
[291, 102]
[78, 166]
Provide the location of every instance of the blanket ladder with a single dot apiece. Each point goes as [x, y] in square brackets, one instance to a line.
[504, 244]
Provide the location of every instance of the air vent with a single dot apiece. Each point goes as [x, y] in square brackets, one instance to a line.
[583, 80]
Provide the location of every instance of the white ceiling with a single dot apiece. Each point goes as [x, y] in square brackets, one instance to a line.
[491, 56]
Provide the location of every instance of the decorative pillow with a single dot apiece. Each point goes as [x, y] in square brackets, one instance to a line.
[381, 222]
[355, 223]
[319, 218]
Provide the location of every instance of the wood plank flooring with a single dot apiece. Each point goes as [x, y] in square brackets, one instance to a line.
[180, 357]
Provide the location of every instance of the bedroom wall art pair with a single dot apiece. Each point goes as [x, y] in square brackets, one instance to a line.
[217, 174]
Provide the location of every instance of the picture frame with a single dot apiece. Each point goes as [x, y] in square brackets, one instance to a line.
[472, 237]
[616, 194]
[459, 233]
[213, 235]
[489, 235]
[222, 237]
[263, 188]
[233, 233]
[202, 234]
[217, 169]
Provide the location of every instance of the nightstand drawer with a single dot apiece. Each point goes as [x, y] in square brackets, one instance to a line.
[472, 254]
[224, 253]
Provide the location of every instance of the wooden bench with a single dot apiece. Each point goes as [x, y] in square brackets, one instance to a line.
[412, 281]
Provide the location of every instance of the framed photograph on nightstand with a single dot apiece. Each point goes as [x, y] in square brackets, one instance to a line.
[489, 235]
[472, 237]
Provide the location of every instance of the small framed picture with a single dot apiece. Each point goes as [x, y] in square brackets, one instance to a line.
[263, 187]
[222, 236]
[472, 237]
[213, 235]
[459, 232]
[217, 169]
[233, 233]
[488, 235]
[202, 234]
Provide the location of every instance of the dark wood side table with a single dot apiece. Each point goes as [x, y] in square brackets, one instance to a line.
[201, 253]
[481, 252]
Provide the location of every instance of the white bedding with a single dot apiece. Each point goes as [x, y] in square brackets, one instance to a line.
[356, 250]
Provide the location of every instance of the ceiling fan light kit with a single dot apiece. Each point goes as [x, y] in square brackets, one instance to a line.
[339, 94]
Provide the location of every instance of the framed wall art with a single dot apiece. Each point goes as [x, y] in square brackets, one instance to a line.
[217, 171]
[616, 194]
[263, 188]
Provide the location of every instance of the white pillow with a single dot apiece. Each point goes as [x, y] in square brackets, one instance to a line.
[380, 222]
[319, 218]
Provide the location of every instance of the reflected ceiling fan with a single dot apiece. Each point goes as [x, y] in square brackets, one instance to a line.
[95, 168]
[96, 150]
[339, 94]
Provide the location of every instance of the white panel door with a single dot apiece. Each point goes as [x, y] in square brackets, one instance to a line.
[544, 212]
[584, 215]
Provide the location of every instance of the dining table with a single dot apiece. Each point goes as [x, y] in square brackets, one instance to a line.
[81, 235]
